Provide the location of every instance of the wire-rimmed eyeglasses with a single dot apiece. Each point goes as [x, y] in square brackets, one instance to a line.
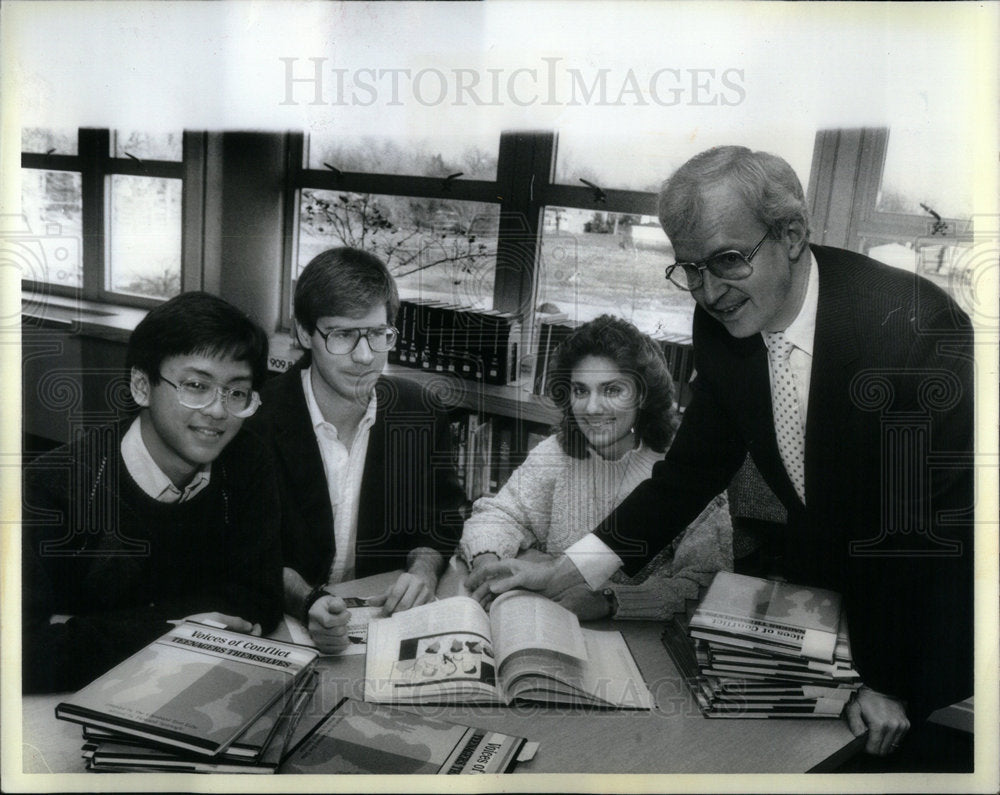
[194, 394]
[345, 340]
[731, 265]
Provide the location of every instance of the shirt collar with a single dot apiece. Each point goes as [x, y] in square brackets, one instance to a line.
[148, 475]
[801, 331]
[316, 416]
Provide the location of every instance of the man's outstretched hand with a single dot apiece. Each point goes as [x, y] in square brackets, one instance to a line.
[548, 577]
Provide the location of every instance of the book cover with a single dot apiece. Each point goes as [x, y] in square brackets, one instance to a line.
[363, 738]
[196, 687]
[799, 619]
[120, 753]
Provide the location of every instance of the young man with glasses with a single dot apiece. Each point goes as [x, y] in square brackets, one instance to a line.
[172, 514]
[850, 384]
[366, 478]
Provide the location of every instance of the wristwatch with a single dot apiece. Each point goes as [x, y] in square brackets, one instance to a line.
[612, 600]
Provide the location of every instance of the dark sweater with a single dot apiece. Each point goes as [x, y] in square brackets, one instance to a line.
[97, 548]
[410, 495]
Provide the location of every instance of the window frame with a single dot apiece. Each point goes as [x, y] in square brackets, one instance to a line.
[844, 185]
[524, 187]
[95, 165]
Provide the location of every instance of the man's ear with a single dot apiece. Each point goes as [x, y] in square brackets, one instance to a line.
[796, 238]
[303, 337]
[139, 386]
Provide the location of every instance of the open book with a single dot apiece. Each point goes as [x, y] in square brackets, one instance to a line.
[527, 648]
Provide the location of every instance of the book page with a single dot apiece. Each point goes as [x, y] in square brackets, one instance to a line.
[611, 673]
[436, 650]
[524, 620]
[608, 678]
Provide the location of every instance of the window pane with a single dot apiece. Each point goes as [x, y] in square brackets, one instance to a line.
[596, 262]
[147, 146]
[642, 162]
[475, 157]
[49, 242]
[933, 167]
[145, 239]
[39, 140]
[944, 261]
[437, 249]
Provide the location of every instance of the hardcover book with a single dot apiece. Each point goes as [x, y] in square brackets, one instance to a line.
[258, 750]
[362, 738]
[769, 615]
[197, 687]
[526, 648]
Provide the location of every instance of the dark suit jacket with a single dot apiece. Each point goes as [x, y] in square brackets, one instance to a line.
[888, 469]
[410, 494]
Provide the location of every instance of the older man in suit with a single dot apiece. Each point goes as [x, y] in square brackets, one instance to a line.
[850, 385]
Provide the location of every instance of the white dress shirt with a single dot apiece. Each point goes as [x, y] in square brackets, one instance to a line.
[148, 475]
[594, 559]
[344, 469]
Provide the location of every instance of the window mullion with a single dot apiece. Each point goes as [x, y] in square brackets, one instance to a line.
[294, 159]
[193, 211]
[524, 170]
[93, 146]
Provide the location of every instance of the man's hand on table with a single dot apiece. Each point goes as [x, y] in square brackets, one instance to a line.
[415, 586]
[409, 590]
[327, 624]
[882, 716]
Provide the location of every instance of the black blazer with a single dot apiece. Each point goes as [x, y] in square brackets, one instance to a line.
[410, 494]
[888, 469]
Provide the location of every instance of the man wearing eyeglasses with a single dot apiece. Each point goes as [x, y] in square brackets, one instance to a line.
[850, 384]
[170, 515]
[367, 483]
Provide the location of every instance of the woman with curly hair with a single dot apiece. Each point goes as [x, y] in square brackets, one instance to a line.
[613, 387]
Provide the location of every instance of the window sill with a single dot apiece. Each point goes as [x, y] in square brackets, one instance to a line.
[87, 318]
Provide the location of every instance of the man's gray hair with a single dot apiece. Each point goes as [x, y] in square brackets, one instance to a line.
[767, 184]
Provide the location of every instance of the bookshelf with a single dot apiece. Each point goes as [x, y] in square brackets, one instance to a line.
[509, 400]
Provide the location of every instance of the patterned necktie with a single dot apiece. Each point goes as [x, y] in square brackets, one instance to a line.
[785, 404]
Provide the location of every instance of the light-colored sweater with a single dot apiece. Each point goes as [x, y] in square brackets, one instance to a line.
[552, 500]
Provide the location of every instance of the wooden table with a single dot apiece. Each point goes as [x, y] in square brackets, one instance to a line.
[673, 738]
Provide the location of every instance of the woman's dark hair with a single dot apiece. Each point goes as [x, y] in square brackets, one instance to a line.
[196, 323]
[637, 356]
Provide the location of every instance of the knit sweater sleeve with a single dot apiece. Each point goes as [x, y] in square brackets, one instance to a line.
[517, 517]
[679, 575]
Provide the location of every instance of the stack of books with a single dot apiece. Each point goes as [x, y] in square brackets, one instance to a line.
[198, 699]
[757, 648]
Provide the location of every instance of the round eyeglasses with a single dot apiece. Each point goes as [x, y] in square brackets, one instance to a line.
[193, 394]
[345, 340]
[730, 265]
